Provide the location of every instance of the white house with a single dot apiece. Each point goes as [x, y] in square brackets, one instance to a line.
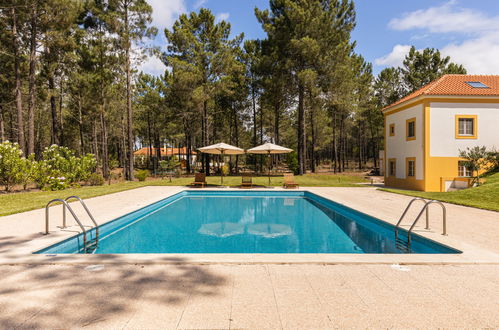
[425, 131]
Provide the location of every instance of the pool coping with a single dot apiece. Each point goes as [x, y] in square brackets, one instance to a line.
[471, 254]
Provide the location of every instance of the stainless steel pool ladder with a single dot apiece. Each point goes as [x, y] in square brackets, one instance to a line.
[424, 209]
[86, 245]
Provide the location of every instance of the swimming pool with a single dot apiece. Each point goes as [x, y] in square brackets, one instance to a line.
[247, 222]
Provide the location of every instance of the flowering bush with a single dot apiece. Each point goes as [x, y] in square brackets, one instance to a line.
[10, 164]
[62, 168]
[58, 169]
[57, 183]
[28, 170]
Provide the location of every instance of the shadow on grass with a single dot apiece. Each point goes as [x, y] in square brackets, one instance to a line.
[62, 296]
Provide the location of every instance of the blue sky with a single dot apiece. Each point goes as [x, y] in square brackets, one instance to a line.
[468, 31]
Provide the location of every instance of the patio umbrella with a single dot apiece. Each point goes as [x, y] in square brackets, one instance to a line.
[221, 149]
[269, 149]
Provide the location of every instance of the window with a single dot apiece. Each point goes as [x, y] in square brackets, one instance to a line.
[411, 129]
[392, 129]
[477, 84]
[463, 170]
[392, 167]
[411, 167]
[466, 127]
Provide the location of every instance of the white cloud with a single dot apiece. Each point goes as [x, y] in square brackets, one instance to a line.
[446, 18]
[165, 12]
[477, 55]
[395, 57]
[222, 17]
[478, 49]
[199, 4]
[153, 65]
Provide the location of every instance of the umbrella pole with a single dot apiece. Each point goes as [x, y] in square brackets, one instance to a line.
[269, 167]
[222, 169]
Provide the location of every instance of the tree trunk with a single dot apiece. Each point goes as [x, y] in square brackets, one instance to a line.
[32, 82]
[104, 152]
[335, 144]
[255, 125]
[80, 126]
[149, 139]
[123, 145]
[95, 141]
[129, 169]
[17, 74]
[236, 137]
[301, 130]
[205, 137]
[2, 125]
[53, 110]
[312, 133]
[277, 121]
[61, 117]
[261, 134]
[189, 155]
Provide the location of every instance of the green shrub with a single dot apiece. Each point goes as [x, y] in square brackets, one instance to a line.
[142, 175]
[62, 162]
[58, 183]
[10, 164]
[95, 179]
[41, 174]
[28, 170]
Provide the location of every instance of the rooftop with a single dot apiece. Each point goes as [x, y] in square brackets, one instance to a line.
[456, 85]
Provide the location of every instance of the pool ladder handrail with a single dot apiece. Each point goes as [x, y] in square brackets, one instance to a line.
[88, 212]
[65, 205]
[407, 209]
[425, 208]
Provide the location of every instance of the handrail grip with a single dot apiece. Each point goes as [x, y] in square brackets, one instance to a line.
[444, 218]
[405, 212]
[88, 212]
[65, 204]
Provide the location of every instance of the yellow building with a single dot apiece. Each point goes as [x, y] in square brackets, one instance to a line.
[425, 131]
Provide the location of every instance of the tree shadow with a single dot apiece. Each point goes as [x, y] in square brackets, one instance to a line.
[62, 296]
[7, 242]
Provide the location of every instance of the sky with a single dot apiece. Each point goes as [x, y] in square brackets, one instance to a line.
[465, 30]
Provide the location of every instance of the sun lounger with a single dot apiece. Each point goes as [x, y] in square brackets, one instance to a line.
[199, 180]
[289, 181]
[247, 181]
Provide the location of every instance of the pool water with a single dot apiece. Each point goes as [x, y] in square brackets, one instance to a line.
[248, 222]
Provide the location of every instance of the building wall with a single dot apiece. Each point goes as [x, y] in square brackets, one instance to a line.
[399, 148]
[442, 163]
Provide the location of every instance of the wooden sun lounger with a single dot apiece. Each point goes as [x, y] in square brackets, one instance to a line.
[289, 181]
[247, 181]
[199, 180]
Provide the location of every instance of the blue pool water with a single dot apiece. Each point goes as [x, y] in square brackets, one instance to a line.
[247, 222]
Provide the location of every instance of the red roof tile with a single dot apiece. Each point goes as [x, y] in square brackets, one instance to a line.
[455, 85]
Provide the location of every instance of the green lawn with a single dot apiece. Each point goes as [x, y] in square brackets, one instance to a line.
[485, 196]
[26, 201]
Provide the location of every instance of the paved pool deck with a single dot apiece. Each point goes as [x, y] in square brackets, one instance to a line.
[252, 291]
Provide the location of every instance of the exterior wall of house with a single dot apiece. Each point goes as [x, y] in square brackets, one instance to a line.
[444, 144]
[401, 149]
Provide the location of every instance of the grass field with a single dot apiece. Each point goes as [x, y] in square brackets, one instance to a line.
[485, 196]
[26, 201]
